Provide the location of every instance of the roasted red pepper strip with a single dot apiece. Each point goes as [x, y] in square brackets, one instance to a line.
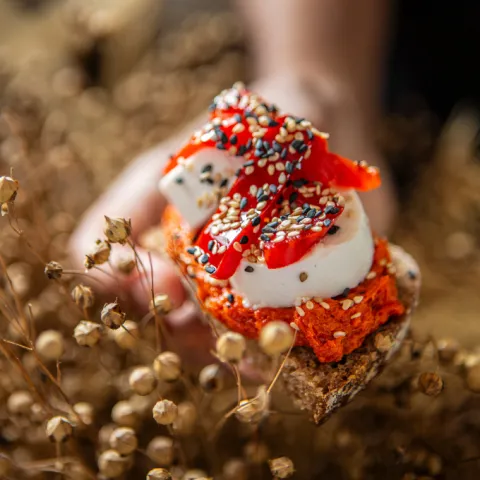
[283, 201]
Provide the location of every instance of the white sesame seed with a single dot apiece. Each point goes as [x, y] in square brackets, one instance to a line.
[253, 190]
[325, 305]
[310, 305]
[237, 247]
[280, 138]
[271, 169]
[357, 299]
[263, 120]
[300, 311]
[371, 275]
[249, 170]
[339, 334]
[282, 178]
[238, 128]
[346, 304]
[261, 205]
[356, 315]
[294, 233]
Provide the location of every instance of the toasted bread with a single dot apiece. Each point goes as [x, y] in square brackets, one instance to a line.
[321, 388]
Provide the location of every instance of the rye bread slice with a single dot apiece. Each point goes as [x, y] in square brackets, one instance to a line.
[321, 388]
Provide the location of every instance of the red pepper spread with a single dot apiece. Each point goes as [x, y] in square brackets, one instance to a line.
[288, 174]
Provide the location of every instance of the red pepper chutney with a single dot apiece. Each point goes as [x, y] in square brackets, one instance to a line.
[288, 174]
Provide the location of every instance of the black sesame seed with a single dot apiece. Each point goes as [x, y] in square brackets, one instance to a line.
[212, 107]
[243, 203]
[264, 198]
[280, 200]
[250, 163]
[259, 193]
[204, 259]
[224, 182]
[266, 145]
[331, 209]
[248, 145]
[333, 230]
[273, 188]
[299, 120]
[276, 146]
[297, 144]
[300, 218]
[293, 196]
[179, 180]
[310, 134]
[233, 139]
[268, 229]
[244, 240]
[207, 168]
[308, 227]
[412, 275]
[265, 238]
[223, 137]
[270, 152]
[289, 167]
[345, 292]
[237, 117]
[238, 172]
[311, 213]
[283, 155]
[207, 180]
[191, 250]
[249, 269]
[258, 153]
[230, 298]
[211, 244]
[210, 269]
[259, 144]
[299, 182]
[327, 222]
[220, 146]
[241, 151]
[256, 221]
[272, 123]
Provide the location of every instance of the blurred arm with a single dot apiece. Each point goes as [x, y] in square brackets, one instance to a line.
[342, 40]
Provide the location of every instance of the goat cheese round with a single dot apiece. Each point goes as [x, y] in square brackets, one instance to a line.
[337, 262]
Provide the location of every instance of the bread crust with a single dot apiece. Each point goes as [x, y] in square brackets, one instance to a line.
[321, 388]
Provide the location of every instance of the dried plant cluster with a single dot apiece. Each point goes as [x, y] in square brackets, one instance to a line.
[92, 390]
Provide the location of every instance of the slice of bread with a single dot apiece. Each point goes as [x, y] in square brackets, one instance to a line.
[321, 388]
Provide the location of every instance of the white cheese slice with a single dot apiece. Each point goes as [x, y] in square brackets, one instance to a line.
[197, 200]
[337, 262]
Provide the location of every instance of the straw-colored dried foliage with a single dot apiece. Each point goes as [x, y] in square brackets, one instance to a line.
[84, 392]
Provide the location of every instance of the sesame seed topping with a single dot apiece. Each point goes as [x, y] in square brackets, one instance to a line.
[346, 304]
[300, 311]
[325, 305]
[303, 276]
[237, 246]
[358, 299]
[371, 275]
[339, 334]
[356, 315]
[249, 269]
[210, 269]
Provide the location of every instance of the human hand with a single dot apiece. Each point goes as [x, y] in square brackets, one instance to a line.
[135, 195]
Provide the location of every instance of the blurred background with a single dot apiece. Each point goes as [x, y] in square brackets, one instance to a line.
[87, 85]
